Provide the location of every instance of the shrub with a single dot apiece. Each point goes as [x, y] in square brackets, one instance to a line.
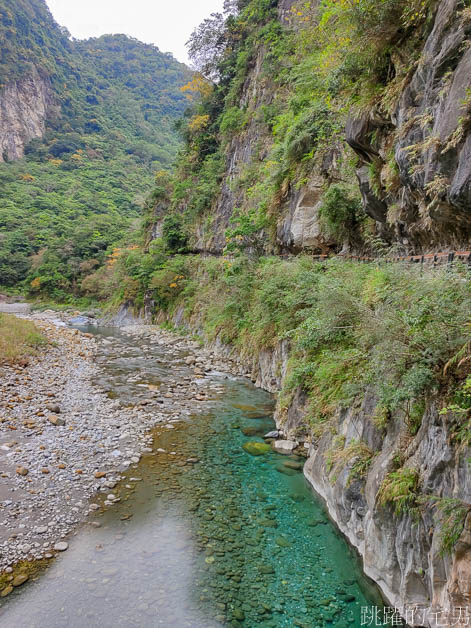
[18, 339]
[400, 490]
[173, 233]
[341, 211]
[232, 121]
[452, 516]
[302, 135]
[357, 455]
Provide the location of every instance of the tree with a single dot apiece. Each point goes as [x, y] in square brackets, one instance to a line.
[207, 44]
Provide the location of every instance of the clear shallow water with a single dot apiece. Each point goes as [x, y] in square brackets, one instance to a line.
[231, 539]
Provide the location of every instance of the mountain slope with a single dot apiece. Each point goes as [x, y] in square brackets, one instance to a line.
[84, 125]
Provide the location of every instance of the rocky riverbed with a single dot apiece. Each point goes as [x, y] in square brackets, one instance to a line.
[64, 440]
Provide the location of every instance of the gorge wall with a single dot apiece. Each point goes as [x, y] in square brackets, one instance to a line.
[297, 152]
[401, 553]
[392, 134]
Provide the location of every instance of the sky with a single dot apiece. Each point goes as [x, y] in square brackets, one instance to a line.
[165, 23]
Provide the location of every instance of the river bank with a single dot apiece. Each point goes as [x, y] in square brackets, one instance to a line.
[234, 533]
[64, 439]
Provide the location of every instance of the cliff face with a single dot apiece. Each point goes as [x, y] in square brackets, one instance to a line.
[426, 139]
[401, 552]
[411, 147]
[25, 105]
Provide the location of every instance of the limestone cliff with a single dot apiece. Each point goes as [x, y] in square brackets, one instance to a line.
[402, 553]
[25, 105]
[411, 147]
[425, 142]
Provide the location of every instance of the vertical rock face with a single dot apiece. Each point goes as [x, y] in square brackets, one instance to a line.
[419, 149]
[245, 147]
[24, 107]
[401, 552]
[426, 140]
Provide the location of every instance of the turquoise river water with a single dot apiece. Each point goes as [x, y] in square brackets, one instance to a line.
[231, 540]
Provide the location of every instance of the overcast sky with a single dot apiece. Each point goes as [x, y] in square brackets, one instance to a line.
[165, 23]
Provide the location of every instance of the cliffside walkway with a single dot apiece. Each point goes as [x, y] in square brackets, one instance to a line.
[432, 259]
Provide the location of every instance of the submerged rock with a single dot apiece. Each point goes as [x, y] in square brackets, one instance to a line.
[282, 542]
[249, 431]
[282, 469]
[255, 448]
[266, 569]
[290, 464]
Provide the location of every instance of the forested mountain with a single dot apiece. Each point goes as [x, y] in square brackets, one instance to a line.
[84, 126]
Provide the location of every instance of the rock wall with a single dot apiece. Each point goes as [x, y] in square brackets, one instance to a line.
[400, 553]
[25, 105]
[413, 170]
[421, 150]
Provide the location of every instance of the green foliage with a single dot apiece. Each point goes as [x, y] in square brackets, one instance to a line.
[232, 121]
[458, 413]
[400, 489]
[356, 455]
[18, 339]
[386, 329]
[30, 38]
[246, 234]
[168, 282]
[305, 131]
[79, 188]
[172, 233]
[451, 515]
[341, 211]
[414, 416]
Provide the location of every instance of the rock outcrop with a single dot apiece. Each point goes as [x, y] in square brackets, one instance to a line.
[413, 169]
[421, 151]
[25, 105]
[402, 552]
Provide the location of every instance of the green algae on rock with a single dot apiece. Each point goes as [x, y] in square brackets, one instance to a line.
[255, 448]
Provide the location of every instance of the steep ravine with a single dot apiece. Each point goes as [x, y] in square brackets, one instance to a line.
[401, 553]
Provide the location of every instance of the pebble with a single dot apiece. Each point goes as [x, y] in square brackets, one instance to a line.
[61, 546]
[20, 579]
[65, 384]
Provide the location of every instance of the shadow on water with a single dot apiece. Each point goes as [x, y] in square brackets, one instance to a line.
[205, 534]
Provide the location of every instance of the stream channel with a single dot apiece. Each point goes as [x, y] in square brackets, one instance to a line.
[227, 539]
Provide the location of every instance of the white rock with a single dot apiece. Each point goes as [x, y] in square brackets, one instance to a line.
[61, 546]
[285, 446]
[41, 530]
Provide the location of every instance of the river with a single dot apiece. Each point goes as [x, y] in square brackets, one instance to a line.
[205, 533]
